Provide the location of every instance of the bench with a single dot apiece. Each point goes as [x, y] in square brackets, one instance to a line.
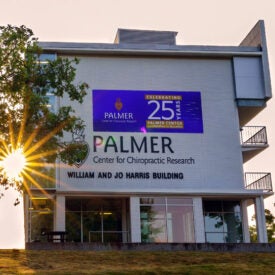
[56, 236]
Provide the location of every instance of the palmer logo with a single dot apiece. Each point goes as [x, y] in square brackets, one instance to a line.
[78, 148]
[118, 115]
[118, 104]
[84, 149]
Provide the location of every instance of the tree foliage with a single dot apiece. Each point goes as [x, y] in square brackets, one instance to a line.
[25, 82]
[270, 228]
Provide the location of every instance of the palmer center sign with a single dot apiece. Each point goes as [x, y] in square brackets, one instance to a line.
[137, 137]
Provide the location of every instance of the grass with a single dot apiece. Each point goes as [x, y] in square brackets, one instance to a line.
[137, 262]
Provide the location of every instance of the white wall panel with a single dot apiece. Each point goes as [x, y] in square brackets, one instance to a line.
[249, 78]
[217, 152]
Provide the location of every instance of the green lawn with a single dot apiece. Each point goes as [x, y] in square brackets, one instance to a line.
[138, 262]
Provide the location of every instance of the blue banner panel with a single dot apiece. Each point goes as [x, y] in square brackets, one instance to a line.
[147, 111]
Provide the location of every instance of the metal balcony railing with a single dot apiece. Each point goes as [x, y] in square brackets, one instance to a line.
[253, 135]
[258, 181]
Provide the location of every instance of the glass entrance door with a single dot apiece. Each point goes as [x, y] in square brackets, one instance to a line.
[97, 220]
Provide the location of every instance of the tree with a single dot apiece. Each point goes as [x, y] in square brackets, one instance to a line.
[27, 122]
[270, 227]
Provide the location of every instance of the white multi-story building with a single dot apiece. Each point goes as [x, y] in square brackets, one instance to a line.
[167, 134]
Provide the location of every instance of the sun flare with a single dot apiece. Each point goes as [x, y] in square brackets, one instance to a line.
[22, 165]
[13, 164]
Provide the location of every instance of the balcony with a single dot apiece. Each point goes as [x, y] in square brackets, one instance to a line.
[253, 141]
[258, 181]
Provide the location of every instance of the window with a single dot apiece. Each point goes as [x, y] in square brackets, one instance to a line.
[44, 177]
[52, 101]
[223, 221]
[97, 220]
[166, 220]
[41, 212]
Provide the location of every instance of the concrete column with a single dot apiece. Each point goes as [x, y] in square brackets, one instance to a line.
[246, 235]
[260, 220]
[59, 221]
[198, 220]
[135, 220]
[27, 222]
[124, 222]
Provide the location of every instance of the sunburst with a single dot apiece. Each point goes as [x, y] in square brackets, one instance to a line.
[13, 163]
[20, 163]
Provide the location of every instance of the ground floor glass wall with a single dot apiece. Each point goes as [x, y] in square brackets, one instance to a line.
[167, 220]
[97, 220]
[161, 219]
[223, 221]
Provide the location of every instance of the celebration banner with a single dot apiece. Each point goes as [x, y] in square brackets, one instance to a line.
[147, 111]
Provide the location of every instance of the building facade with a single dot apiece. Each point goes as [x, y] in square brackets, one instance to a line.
[167, 134]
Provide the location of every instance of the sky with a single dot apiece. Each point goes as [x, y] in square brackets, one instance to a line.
[198, 22]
